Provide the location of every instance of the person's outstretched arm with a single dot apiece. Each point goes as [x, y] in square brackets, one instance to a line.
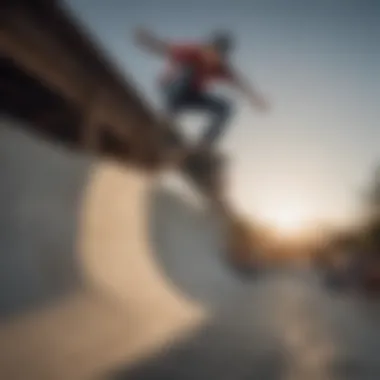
[180, 52]
[150, 42]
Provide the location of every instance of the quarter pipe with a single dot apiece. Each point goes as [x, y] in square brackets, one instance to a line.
[81, 238]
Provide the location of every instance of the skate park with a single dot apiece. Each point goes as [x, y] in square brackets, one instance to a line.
[108, 272]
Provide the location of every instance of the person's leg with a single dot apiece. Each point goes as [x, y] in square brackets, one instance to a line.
[220, 110]
[177, 91]
[176, 95]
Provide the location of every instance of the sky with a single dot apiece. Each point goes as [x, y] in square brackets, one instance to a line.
[317, 62]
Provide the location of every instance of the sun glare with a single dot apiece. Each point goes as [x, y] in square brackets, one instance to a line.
[289, 222]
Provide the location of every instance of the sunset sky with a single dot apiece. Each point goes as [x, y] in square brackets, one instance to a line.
[317, 61]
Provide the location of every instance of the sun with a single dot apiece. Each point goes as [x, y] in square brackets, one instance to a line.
[287, 221]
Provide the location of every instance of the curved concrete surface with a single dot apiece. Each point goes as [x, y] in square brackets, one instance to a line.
[102, 273]
[76, 260]
[188, 243]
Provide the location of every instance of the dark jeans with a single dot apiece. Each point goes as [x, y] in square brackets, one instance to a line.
[180, 96]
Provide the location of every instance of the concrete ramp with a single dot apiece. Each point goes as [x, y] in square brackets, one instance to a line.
[78, 275]
[99, 263]
[189, 243]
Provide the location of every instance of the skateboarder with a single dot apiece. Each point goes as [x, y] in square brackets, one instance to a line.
[191, 68]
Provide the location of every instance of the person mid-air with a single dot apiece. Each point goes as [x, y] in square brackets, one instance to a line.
[191, 68]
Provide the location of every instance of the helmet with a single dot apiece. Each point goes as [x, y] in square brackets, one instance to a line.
[222, 41]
